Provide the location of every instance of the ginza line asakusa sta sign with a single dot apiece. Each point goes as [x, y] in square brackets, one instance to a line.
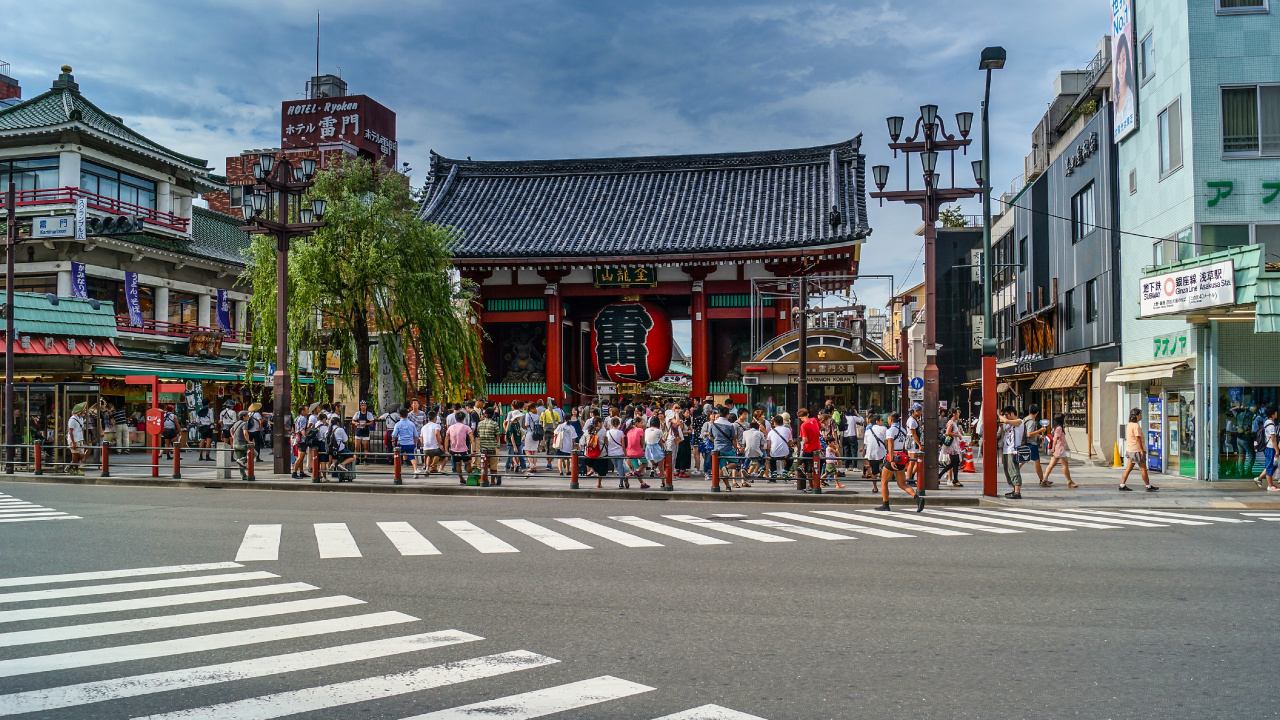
[1194, 288]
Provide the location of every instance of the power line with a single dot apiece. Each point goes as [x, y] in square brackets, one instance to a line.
[1103, 227]
[907, 277]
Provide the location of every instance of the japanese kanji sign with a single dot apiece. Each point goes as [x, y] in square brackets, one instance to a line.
[626, 277]
[352, 119]
[631, 342]
[1187, 289]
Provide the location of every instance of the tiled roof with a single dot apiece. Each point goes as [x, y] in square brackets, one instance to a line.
[214, 236]
[63, 105]
[733, 202]
[35, 315]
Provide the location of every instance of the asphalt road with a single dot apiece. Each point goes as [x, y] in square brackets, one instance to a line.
[1127, 622]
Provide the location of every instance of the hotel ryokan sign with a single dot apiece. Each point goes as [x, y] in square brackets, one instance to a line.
[1189, 289]
[353, 119]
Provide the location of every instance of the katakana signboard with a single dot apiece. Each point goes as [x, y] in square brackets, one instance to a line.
[353, 119]
[631, 342]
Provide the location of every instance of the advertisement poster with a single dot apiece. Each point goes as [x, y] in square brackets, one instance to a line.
[224, 311]
[1123, 87]
[1155, 434]
[131, 299]
[79, 281]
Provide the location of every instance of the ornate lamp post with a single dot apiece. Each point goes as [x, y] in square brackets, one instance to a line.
[277, 182]
[992, 59]
[928, 140]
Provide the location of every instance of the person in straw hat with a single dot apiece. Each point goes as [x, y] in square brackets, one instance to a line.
[255, 429]
[75, 438]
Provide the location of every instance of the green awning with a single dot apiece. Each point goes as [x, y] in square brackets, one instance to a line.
[188, 374]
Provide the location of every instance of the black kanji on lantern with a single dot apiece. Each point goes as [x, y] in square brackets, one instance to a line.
[622, 334]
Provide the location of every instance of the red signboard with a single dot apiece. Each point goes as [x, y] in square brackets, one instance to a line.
[353, 119]
[155, 421]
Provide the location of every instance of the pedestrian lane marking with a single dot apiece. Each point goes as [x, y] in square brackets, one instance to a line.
[546, 536]
[38, 518]
[1107, 514]
[113, 588]
[1212, 518]
[807, 532]
[875, 520]
[115, 574]
[1040, 519]
[406, 539]
[937, 520]
[1076, 516]
[186, 678]
[1002, 521]
[841, 525]
[151, 602]
[677, 533]
[183, 646]
[625, 539]
[14, 510]
[477, 537]
[710, 712]
[261, 542]
[540, 703]
[335, 541]
[729, 529]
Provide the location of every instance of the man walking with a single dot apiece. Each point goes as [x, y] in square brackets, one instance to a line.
[1271, 448]
[487, 431]
[75, 438]
[204, 428]
[810, 453]
[1013, 435]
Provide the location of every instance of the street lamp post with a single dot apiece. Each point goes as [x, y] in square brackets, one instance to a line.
[275, 183]
[992, 59]
[928, 140]
[10, 249]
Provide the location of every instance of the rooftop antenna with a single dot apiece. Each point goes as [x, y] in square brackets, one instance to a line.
[317, 43]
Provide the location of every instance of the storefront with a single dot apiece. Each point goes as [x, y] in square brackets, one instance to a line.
[841, 368]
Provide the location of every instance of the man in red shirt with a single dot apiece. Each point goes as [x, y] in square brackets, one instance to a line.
[810, 452]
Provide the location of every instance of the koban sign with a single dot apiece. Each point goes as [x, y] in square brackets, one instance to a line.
[1194, 288]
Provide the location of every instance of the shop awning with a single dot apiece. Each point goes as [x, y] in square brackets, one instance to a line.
[1146, 371]
[1060, 378]
[183, 374]
[74, 346]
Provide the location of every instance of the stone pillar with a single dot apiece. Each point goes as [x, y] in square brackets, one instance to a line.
[701, 341]
[69, 169]
[161, 304]
[164, 198]
[555, 345]
[203, 303]
[64, 283]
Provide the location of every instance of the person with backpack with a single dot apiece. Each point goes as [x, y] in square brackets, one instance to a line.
[76, 425]
[405, 436]
[238, 435]
[1013, 437]
[204, 430]
[340, 456]
[593, 449]
[1032, 435]
[876, 447]
[779, 442]
[513, 430]
[894, 442]
[950, 444]
[1269, 440]
[550, 419]
[534, 431]
[302, 437]
[227, 417]
[169, 430]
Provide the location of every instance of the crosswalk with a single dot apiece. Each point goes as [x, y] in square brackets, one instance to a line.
[262, 542]
[16, 510]
[94, 680]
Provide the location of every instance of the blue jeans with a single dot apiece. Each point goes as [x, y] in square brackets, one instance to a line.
[620, 467]
[513, 454]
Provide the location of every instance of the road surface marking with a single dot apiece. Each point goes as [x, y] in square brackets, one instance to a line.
[32, 514]
[334, 541]
[837, 524]
[477, 538]
[1001, 521]
[546, 536]
[41, 517]
[113, 574]
[608, 533]
[1108, 514]
[114, 588]
[119, 627]
[1183, 516]
[1038, 518]
[199, 643]
[406, 539]
[710, 712]
[151, 602]
[808, 532]
[729, 529]
[877, 520]
[94, 692]
[922, 517]
[539, 703]
[677, 533]
[1078, 516]
[261, 542]
[1261, 514]
[372, 688]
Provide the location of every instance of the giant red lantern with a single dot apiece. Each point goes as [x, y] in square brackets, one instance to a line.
[631, 342]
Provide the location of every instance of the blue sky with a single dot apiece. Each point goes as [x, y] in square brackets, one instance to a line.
[561, 78]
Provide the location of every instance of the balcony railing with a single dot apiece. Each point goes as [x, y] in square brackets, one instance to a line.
[101, 203]
[176, 330]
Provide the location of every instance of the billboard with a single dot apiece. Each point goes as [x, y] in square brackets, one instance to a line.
[1189, 289]
[353, 119]
[1123, 86]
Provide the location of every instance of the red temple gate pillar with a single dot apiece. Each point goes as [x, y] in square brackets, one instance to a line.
[555, 335]
[701, 337]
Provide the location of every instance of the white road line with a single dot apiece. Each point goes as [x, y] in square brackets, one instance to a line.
[806, 531]
[1108, 514]
[1261, 514]
[1270, 519]
[546, 536]
[877, 520]
[41, 517]
[365, 689]
[539, 703]
[32, 514]
[608, 533]
[151, 602]
[1211, 518]
[119, 627]
[198, 643]
[94, 692]
[677, 533]
[824, 522]
[1001, 521]
[8, 507]
[1038, 518]
[1080, 516]
[710, 712]
[334, 541]
[477, 538]
[406, 539]
[114, 588]
[261, 542]
[927, 516]
[729, 529]
[112, 574]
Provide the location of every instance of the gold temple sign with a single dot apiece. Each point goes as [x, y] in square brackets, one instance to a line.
[626, 277]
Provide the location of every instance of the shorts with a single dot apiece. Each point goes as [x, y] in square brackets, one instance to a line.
[875, 466]
[206, 432]
[433, 453]
[728, 459]
[362, 434]
[1035, 452]
[169, 433]
[226, 435]
[407, 450]
[342, 456]
[322, 456]
[460, 460]
[1270, 455]
[1134, 457]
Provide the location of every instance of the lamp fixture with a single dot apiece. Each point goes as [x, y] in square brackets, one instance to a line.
[929, 114]
[267, 161]
[308, 168]
[992, 58]
[977, 173]
[247, 209]
[895, 127]
[259, 201]
[318, 206]
[928, 162]
[964, 122]
[297, 174]
[304, 214]
[257, 172]
[881, 175]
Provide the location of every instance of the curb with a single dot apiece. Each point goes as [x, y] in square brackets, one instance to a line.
[472, 491]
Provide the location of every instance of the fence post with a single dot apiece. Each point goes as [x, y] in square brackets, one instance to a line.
[395, 463]
[39, 458]
[249, 476]
[573, 470]
[106, 455]
[484, 469]
[715, 471]
[177, 459]
[667, 475]
[155, 455]
[815, 474]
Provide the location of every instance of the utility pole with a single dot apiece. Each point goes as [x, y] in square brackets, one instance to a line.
[802, 382]
[10, 251]
[992, 59]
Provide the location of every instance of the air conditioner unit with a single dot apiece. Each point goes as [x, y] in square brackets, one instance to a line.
[750, 381]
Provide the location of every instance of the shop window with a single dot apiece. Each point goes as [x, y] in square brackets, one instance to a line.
[39, 284]
[108, 292]
[1091, 301]
[117, 185]
[1169, 123]
[1083, 217]
[1215, 238]
[183, 308]
[146, 302]
[29, 174]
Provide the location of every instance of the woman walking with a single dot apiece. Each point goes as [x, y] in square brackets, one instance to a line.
[953, 437]
[894, 443]
[1058, 449]
[1135, 452]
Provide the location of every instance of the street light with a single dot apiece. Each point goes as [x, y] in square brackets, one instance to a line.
[992, 59]
[895, 127]
[881, 175]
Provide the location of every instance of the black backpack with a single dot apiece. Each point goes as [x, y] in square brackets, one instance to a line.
[331, 445]
[1260, 440]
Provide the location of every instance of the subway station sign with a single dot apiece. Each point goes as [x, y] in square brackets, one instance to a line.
[1189, 289]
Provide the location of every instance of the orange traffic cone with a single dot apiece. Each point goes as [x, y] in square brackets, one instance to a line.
[968, 460]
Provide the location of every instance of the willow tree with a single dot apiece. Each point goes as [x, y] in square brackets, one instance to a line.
[374, 272]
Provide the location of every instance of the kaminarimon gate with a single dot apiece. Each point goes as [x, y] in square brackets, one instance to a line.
[553, 243]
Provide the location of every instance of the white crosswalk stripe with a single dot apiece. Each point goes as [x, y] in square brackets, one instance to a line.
[798, 530]
[1075, 516]
[406, 539]
[261, 542]
[151, 602]
[113, 588]
[38, 518]
[1212, 518]
[116, 574]
[729, 529]
[477, 537]
[625, 539]
[876, 532]
[879, 520]
[334, 541]
[1021, 524]
[677, 533]
[938, 520]
[546, 536]
[1040, 519]
[1105, 514]
[16, 510]
[710, 712]
[540, 703]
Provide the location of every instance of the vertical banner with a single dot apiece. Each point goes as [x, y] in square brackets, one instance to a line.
[224, 311]
[131, 299]
[79, 281]
[1123, 86]
[82, 212]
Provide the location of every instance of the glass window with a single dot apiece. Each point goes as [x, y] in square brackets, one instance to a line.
[1091, 301]
[1170, 124]
[1268, 236]
[1215, 238]
[1083, 213]
[236, 195]
[182, 308]
[1069, 309]
[40, 284]
[1241, 6]
[117, 185]
[108, 292]
[1240, 120]
[1157, 252]
[1146, 57]
[1184, 245]
[30, 173]
[1022, 253]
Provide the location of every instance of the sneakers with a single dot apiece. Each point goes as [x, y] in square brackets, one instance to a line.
[1125, 488]
[1152, 488]
[1013, 495]
[919, 502]
[884, 507]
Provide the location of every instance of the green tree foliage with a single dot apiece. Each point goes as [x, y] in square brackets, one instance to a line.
[373, 272]
[951, 217]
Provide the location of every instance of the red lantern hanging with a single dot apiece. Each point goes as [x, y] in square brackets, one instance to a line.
[631, 342]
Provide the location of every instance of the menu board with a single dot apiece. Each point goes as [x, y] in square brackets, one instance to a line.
[1155, 434]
